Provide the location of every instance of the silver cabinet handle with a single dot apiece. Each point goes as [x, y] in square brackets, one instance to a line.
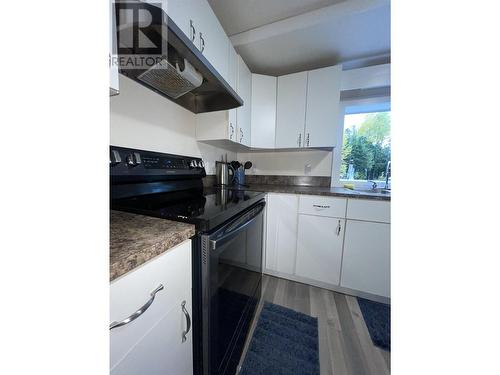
[202, 43]
[232, 131]
[339, 227]
[193, 30]
[188, 320]
[139, 312]
[300, 139]
[307, 140]
[320, 206]
[241, 137]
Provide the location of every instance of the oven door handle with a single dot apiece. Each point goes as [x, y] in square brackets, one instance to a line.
[214, 244]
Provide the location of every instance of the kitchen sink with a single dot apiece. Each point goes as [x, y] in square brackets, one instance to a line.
[374, 191]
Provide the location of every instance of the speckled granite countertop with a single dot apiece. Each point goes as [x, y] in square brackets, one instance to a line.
[135, 239]
[317, 190]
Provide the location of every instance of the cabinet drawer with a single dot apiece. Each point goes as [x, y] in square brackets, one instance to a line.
[369, 210]
[127, 294]
[322, 206]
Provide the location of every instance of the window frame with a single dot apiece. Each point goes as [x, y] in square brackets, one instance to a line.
[370, 105]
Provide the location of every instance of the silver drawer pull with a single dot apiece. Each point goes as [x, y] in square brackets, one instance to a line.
[320, 206]
[139, 312]
[188, 320]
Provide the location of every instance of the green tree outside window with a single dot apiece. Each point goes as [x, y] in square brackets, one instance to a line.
[367, 148]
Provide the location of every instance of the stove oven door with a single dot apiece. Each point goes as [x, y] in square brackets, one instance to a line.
[231, 277]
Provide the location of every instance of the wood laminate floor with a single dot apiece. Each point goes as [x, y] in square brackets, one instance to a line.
[344, 342]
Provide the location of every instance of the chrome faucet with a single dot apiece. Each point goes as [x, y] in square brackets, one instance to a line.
[387, 175]
[374, 184]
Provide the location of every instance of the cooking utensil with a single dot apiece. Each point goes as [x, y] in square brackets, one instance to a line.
[235, 164]
[248, 165]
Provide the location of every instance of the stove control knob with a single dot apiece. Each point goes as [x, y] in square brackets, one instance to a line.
[115, 158]
[192, 164]
[200, 164]
[134, 159]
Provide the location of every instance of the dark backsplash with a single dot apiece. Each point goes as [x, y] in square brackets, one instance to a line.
[209, 181]
[320, 181]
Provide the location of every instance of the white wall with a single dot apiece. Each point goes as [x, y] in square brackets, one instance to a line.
[298, 163]
[140, 118]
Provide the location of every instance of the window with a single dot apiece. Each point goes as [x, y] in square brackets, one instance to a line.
[366, 145]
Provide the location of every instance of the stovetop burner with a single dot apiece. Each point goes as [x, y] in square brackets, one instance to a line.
[206, 209]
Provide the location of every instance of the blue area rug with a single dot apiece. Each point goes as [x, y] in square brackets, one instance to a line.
[284, 342]
[378, 320]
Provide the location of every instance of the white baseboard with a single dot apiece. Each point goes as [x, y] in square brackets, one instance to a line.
[335, 288]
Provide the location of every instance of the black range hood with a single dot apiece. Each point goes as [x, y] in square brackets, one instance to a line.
[204, 89]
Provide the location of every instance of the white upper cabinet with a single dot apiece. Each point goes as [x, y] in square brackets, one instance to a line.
[263, 117]
[291, 110]
[234, 124]
[244, 113]
[232, 77]
[212, 41]
[182, 12]
[322, 111]
[308, 108]
[197, 20]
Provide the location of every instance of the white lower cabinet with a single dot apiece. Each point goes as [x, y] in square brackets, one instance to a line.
[161, 351]
[153, 343]
[366, 264]
[309, 239]
[281, 234]
[319, 248]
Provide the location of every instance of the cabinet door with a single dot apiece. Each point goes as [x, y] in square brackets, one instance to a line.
[162, 350]
[171, 269]
[322, 111]
[212, 40]
[182, 12]
[281, 241]
[263, 117]
[291, 110]
[319, 248]
[232, 79]
[243, 113]
[366, 265]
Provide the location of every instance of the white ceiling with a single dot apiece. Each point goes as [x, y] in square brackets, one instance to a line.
[278, 37]
[237, 16]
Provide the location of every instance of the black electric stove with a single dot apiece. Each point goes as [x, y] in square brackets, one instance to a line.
[227, 246]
